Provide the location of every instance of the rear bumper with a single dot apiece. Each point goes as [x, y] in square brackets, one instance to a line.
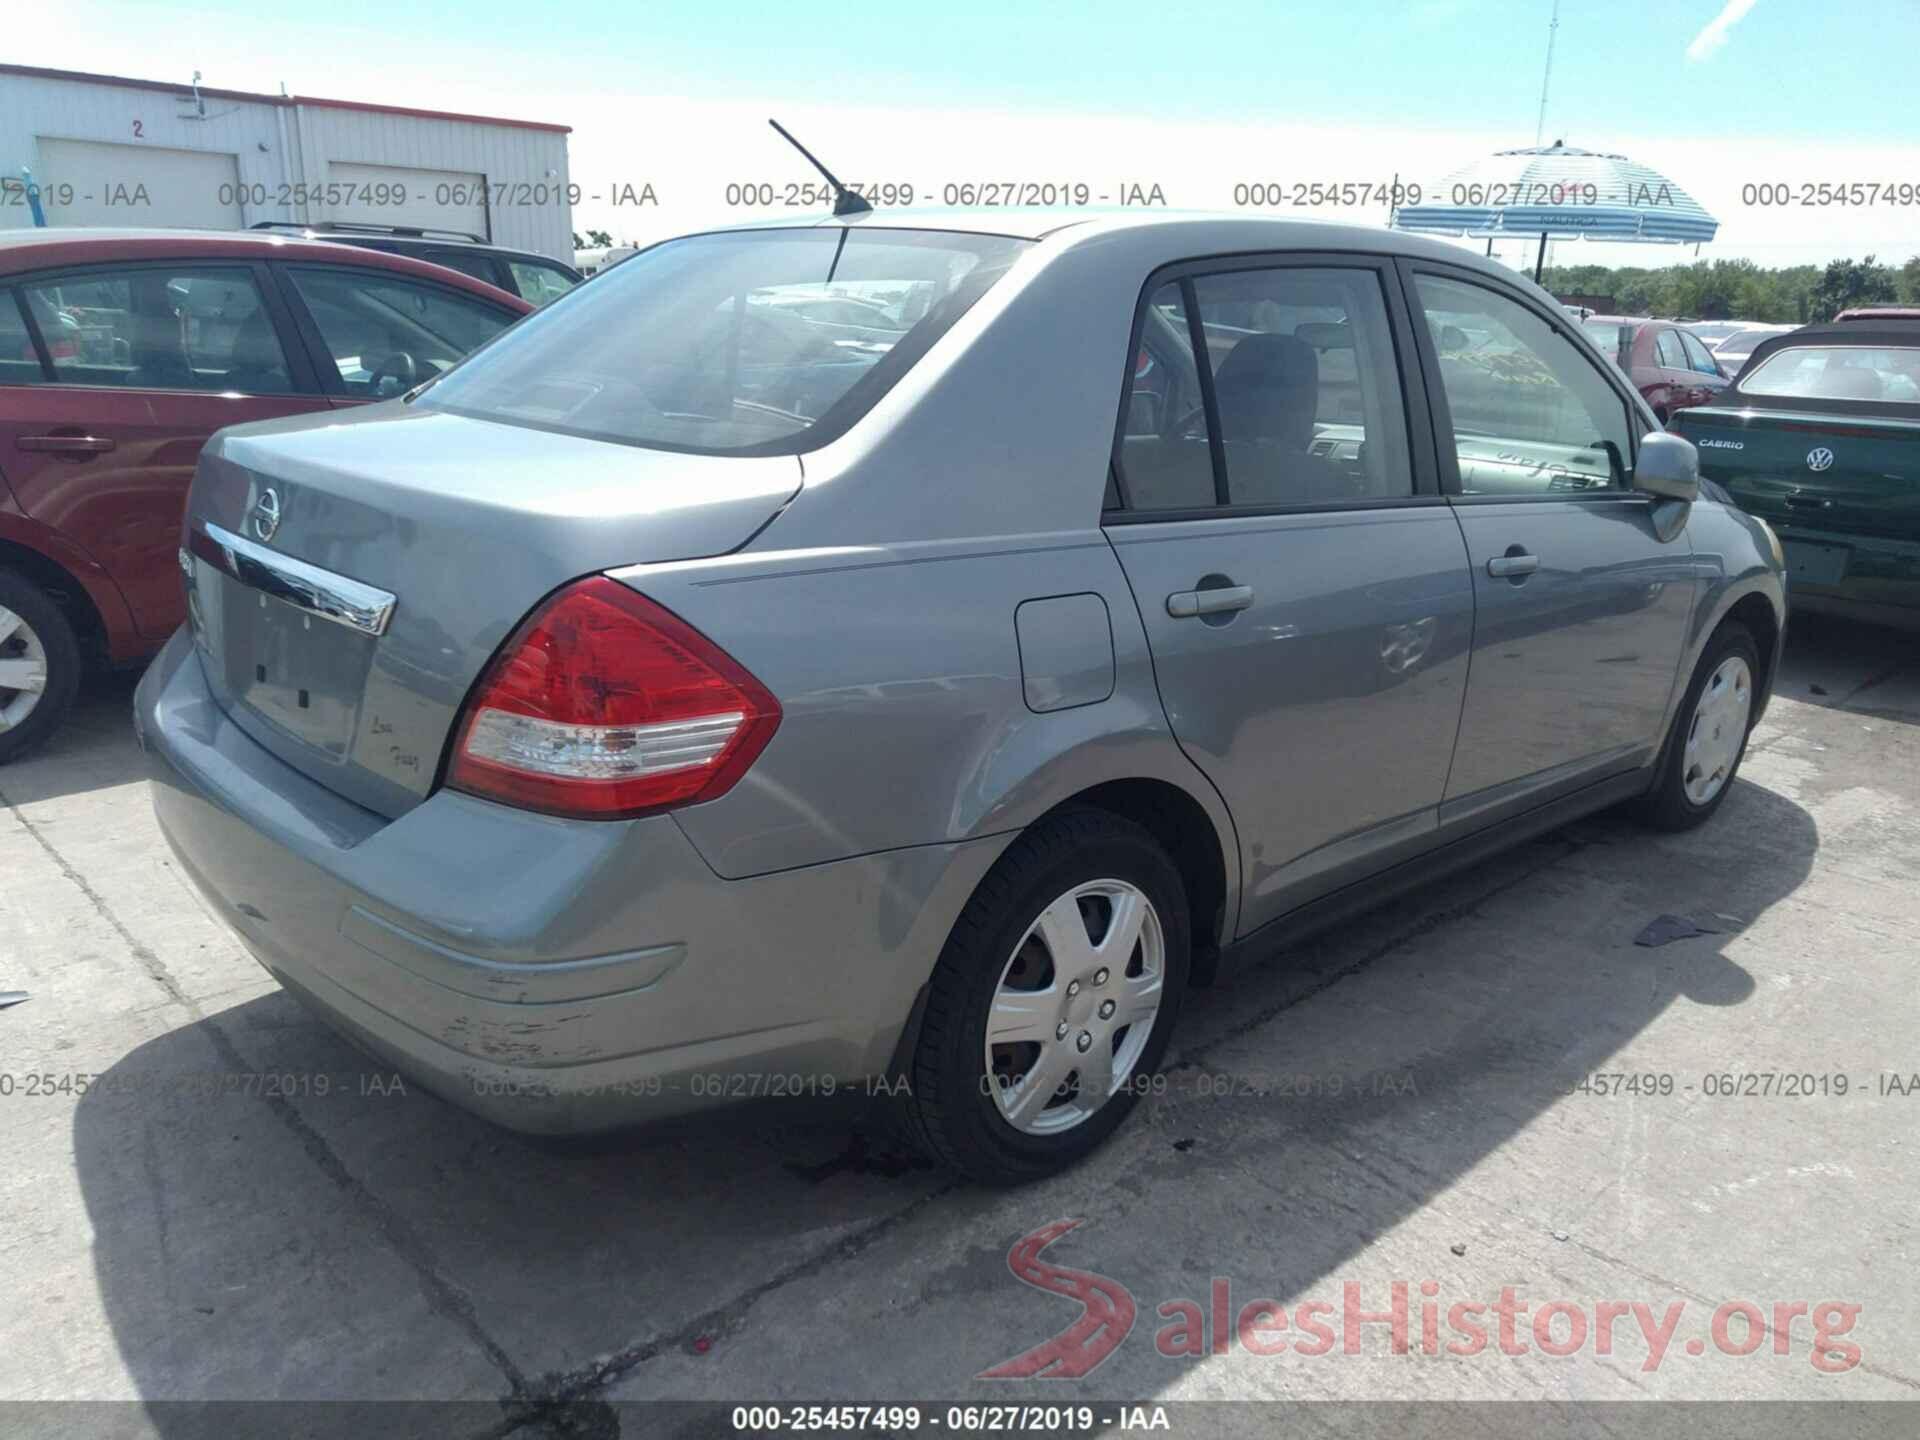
[554, 976]
[1880, 583]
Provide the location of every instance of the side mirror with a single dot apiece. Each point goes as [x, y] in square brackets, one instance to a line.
[1669, 467]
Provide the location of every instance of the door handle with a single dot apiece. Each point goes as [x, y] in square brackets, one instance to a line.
[1185, 603]
[67, 444]
[1512, 566]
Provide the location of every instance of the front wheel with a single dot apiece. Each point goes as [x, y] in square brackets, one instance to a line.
[1709, 736]
[1053, 1000]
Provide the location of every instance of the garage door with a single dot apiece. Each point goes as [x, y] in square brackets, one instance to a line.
[196, 188]
[399, 195]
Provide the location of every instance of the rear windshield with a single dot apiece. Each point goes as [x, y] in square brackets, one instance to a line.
[1837, 372]
[747, 342]
[1606, 335]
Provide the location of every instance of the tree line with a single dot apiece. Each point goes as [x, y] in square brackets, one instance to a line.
[1742, 290]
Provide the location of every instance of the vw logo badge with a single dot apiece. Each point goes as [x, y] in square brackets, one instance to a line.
[1818, 458]
[266, 514]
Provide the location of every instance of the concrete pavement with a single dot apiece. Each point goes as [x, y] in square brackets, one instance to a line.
[241, 1206]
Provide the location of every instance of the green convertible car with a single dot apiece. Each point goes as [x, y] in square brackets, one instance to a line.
[1820, 437]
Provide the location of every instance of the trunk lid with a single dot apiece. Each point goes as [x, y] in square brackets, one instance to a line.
[1849, 474]
[342, 622]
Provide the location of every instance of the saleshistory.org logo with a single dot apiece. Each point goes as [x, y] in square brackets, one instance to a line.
[1264, 1327]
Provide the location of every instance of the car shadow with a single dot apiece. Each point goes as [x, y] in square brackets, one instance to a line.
[274, 1215]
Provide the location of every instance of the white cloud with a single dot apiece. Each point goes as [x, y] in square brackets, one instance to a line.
[1715, 34]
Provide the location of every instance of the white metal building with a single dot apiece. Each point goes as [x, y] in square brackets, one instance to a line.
[102, 150]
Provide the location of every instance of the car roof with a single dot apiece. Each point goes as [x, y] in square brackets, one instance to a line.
[1183, 233]
[437, 240]
[37, 249]
[1623, 320]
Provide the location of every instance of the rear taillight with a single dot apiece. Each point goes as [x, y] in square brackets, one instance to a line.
[603, 706]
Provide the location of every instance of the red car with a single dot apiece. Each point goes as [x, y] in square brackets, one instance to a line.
[121, 351]
[1667, 363]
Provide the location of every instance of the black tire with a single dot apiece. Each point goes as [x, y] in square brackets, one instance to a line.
[950, 1111]
[64, 663]
[1666, 805]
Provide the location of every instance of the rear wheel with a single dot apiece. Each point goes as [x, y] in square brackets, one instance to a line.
[1709, 736]
[1053, 1000]
[39, 666]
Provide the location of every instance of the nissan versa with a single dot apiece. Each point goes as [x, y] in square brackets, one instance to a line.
[693, 694]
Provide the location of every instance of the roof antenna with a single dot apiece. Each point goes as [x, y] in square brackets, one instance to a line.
[845, 201]
[1546, 78]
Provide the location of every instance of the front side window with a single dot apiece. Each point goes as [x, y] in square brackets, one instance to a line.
[1304, 385]
[538, 284]
[160, 328]
[1890, 375]
[742, 342]
[1697, 356]
[1531, 413]
[385, 334]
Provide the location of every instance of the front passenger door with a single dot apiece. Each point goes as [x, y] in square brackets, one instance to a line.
[1582, 609]
[375, 334]
[1303, 584]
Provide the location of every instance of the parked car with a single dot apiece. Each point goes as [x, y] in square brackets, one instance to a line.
[655, 710]
[1876, 313]
[1670, 366]
[533, 277]
[1731, 351]
[602, 257]
[1821, 436]
[121, 351]
[1708, 331]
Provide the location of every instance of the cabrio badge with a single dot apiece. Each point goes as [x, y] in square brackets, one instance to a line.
[265, 516]
[1819, 458]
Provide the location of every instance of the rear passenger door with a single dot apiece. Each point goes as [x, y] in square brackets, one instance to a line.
[1708, 382]
[1304, 586]
[133, 366]
[1583, 606]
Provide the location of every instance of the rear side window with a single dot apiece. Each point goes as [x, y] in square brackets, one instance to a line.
[1667, 351]
[386, 334]
[1889, 374]
[1306, 408]
[160, 328]
[1531, 413]
[752, 342]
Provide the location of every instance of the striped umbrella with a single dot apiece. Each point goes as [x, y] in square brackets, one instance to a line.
[1562, 192]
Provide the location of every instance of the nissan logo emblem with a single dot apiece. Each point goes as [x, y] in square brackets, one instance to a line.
[1818, 458]
[266, 514]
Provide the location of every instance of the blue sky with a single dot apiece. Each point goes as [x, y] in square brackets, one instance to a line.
[1786, 67]
[1716, 94]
